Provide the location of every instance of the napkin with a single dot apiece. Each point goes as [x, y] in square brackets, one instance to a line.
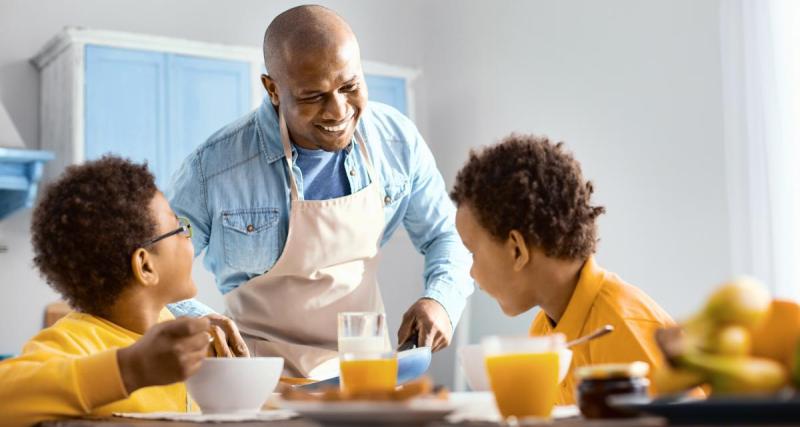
[480, 407]
[273, 415]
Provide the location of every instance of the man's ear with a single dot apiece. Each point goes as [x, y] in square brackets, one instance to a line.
[143, 268]
[272, 89]
[519, 250]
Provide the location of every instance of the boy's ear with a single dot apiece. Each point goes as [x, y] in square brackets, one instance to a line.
[519, 250]
[143, 268]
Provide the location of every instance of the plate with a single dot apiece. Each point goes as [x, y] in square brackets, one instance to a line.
[411, 364]
[412, 412]
[731, 410]
[196, 417]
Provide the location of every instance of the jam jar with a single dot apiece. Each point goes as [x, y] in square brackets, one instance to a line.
[598, 382]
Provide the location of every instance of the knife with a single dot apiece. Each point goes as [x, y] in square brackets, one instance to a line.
[410, 343]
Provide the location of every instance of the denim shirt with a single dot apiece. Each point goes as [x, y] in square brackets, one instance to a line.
[234, 189]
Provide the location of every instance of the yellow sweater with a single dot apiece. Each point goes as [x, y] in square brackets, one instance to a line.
[70, 370]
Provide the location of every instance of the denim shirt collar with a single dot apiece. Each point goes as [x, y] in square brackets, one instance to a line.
[269, 135]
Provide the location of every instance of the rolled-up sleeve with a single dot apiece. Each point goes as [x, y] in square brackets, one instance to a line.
[430, 222]
[188, 198]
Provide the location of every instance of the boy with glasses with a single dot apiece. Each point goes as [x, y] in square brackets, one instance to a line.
[106, 239]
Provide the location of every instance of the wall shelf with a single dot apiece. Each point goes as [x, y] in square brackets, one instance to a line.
[20, 172]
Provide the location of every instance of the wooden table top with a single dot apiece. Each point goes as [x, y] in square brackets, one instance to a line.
[301, 422]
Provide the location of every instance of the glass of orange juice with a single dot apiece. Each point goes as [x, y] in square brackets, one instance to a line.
[366, 362]
[523, 374]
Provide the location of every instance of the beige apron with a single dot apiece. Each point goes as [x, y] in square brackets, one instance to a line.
[329, 265]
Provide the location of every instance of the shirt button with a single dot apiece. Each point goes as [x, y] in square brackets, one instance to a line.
[250, 228]
[352, 172]
[387, 200]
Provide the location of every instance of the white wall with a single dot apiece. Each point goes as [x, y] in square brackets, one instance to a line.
[633, 87]
[24, 29]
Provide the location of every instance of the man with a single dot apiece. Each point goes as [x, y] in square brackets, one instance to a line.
[294, 200]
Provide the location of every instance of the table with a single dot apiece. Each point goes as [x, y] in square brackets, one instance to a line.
[299, 422]
[470, 403]
[118, 422]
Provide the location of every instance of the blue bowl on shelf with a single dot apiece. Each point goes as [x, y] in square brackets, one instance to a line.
[411, 364]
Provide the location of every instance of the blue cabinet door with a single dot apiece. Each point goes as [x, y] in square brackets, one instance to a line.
[157, 107]
[388, 90]
[204, 95]
[125, 104]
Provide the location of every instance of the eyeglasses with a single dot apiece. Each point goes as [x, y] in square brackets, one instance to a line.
[185, 229]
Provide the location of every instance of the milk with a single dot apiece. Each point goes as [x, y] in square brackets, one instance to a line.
[363, 345]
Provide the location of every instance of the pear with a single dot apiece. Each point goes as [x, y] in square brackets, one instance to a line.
[732, 340]
[743, 301]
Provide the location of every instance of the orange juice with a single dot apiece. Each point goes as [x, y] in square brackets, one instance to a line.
[368, 374]
[524, 384]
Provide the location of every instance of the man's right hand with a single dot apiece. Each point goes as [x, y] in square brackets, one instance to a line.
[167, 353]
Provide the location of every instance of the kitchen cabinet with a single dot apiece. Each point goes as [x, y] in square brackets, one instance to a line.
[147, 98]
[155, 99]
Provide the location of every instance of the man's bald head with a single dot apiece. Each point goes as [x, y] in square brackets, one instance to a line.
[302, 30]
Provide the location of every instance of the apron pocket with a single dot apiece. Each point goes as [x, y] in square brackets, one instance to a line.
[251, 239]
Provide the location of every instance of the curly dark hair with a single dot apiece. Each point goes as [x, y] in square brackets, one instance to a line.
[87, 226]
[529, 184]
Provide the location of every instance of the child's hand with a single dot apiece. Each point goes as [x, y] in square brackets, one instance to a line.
[228, 342]
[169, 352]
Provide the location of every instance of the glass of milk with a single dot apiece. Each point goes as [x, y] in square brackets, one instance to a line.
[362, 333]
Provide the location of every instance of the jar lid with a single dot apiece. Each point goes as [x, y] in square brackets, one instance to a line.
[613, 370]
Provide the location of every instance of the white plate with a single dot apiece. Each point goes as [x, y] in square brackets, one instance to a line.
[364, 412]
[196, 417]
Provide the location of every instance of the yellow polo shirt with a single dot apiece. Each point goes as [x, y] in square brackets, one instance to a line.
[602, 298]
[70, 370]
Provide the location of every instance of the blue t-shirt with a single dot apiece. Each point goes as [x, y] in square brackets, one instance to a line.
[324, 175]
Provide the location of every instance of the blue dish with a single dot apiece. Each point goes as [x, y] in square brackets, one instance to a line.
[411, 364]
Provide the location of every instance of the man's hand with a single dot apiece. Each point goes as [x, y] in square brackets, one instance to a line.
[429, 319]
[227, 340]
[167, 353]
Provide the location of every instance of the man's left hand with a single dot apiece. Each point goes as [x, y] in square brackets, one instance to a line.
[228, 342]
[431, 322]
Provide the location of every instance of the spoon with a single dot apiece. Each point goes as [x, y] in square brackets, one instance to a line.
[606, 329]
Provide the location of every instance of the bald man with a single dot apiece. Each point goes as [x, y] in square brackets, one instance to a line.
[294, 201]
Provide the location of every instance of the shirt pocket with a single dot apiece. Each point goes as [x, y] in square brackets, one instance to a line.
[251, 239]
[394, 191]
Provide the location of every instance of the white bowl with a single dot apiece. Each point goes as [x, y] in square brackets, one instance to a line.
[234, 385]
[470, 357]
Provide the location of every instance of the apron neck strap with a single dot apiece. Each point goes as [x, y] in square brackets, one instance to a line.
[367, 161]
[287, 151]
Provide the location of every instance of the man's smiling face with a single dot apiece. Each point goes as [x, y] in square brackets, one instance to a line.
[321, 94]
